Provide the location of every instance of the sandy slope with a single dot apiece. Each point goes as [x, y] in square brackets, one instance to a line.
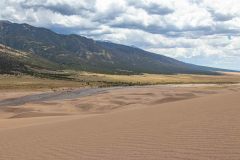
[199, 128]
[98, 100]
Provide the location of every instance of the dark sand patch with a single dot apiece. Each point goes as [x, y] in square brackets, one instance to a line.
[84, 107]
[176, 97]
[36, 114]
[121, 103]
[46, 103]
[142, 94]
[15, 110]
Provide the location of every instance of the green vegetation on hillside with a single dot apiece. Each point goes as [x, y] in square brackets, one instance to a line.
[47, 49]
[37, 58]
[15, 61]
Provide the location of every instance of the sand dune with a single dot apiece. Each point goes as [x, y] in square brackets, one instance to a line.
[195, 126]
[99, 100]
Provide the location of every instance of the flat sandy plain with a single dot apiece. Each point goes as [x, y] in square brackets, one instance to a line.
[168, 122]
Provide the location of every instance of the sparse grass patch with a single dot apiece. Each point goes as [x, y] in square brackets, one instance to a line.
[153, 79]
[73, 79]
[33, 83]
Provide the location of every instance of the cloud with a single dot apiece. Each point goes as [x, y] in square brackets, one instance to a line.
[153, 7]
[69, 7]
[191, 30]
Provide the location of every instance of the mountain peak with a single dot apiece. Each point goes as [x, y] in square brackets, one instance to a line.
[5, 22]
[81, 53]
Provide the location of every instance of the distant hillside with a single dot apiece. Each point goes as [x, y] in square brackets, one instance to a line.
[15, 61]
[9, 62]
[80, 53]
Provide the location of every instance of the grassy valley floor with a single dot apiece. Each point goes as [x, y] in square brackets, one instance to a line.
[72, 79]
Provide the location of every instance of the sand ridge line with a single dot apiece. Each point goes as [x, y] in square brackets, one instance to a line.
[37, 119]
[201, 128]
[103, 101]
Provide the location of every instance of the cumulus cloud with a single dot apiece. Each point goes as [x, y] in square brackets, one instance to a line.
[205, 32]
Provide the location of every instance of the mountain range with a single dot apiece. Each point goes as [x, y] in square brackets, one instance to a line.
[25, 47]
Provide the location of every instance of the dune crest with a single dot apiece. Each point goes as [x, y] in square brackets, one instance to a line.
[206, 127]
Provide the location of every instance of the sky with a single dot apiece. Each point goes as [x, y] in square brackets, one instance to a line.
[204, 32]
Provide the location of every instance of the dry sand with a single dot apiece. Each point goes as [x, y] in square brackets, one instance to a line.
[158, 122]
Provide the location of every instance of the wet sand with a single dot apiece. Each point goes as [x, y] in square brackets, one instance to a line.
[154, 122]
